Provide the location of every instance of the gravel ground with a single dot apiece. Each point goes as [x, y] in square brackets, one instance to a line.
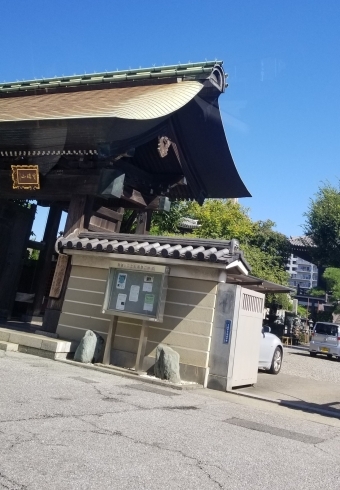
[299, 363]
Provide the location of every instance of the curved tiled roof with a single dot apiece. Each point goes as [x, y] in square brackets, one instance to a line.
[301, 241]
[215, 251]
[225, 252]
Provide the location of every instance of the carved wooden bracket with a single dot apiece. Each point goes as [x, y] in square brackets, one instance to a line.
[164, 144]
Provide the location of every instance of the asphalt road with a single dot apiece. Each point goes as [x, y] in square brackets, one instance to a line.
[298, 362]
[64, 427]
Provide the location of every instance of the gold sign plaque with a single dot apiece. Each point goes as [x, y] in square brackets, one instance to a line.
[25, 177]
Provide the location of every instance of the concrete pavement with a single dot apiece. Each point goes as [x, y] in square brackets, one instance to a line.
[297, 392]
[316, 388]
[63, 427]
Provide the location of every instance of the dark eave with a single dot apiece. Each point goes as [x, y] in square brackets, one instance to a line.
[257, 284]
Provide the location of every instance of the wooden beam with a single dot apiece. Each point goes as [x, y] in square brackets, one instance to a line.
[57, 185]
[36, 245]
[78, 214]
[107, 213]
[152, 203]
[62, 184]
[99, 224]
[140, 179]
[133, 196]
[105, 219]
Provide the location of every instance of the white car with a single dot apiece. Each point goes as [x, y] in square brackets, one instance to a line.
[271, 352]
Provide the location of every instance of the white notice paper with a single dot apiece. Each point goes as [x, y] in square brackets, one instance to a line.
[134, 293]
[121, 300]
[147, 286]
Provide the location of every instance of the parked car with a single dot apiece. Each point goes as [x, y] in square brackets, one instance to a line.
[325, 340]
[271, 352]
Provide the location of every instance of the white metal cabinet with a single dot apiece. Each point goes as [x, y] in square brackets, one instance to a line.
[247, 339]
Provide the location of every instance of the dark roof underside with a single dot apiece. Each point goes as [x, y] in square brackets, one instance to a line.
[85, 114]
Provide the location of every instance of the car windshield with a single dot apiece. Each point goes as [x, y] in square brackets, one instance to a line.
[326, 329]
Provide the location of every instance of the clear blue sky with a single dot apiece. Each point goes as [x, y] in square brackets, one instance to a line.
[281, 110]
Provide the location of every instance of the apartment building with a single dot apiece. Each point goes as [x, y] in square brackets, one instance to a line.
[302, 274]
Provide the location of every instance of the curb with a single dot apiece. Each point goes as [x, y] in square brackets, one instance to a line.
[113, 370]
[294, 405]
[297, 347]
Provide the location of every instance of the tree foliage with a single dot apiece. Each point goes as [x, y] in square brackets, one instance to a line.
[323, 224]
[221, 219]
[265, 249]
[316, 292]
[332, 278]
[271, 242]
[302, 311]
[166, 223]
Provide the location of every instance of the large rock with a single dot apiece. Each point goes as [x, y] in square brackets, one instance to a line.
[167, 364]
[90, 348]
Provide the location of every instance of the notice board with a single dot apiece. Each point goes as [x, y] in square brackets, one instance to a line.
[136, 290]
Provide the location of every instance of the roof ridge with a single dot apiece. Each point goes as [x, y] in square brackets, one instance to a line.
[113, 76]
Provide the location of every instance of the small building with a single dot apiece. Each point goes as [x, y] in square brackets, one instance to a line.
[213, 307]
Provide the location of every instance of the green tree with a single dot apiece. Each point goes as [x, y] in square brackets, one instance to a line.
[221, 219]
[166, 223]
[302, 311]
[332, 278]
[323, 224]
[265, 249]
[268, 267]
[317, 292]
[273, 243]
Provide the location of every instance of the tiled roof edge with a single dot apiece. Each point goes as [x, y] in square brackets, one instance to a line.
[212, 251]
[183, 70]
[301, 241]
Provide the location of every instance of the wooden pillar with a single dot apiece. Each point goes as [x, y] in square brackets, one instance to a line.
[110, 339]
[143, 339]
[15, 227]
[45, 256]
[143, 222]
[79, 213]
[78, 216]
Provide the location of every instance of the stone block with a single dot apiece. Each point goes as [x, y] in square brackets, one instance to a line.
[167, 364]
[47, 334]
[28, 340]
[90, 348]
[8, 346]
[36, 352]
[58, 345]
[4, 334]
[51, 345]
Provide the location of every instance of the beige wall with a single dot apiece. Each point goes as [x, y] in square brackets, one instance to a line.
[186, 327]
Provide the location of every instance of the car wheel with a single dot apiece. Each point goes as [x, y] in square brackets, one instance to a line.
[312, 354]
[276, 362]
